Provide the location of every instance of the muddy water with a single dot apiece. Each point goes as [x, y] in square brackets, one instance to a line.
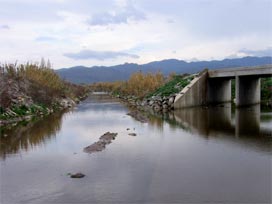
[190, 156]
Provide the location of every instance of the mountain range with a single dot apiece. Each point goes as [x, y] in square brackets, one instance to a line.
[82, 74]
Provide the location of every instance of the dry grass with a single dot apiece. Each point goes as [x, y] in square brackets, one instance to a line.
[38, 73]
[138, 85]
[38, 81]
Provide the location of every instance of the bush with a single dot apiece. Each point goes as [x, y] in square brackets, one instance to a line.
[266, 89]
[174, 85]
[138, 85]
[38, 81]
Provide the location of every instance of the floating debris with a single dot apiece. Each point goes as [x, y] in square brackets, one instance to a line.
[132, 134]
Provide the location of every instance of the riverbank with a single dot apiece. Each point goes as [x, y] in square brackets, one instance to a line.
[34, 91]
[26, 113]
[160, 100]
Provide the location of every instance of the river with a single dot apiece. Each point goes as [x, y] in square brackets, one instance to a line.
[197, 155]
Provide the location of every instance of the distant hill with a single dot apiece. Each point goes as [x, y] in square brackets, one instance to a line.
[81, 74]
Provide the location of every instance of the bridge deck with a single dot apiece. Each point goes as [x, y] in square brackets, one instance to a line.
[262, 71]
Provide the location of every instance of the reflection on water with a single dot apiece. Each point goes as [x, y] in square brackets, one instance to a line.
[242, 125]
[25, 137]
[197, 155]
[248, 122]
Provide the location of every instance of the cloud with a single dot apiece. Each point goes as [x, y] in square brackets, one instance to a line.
[4, 27]
[259, 53]
[98, 55]
[151, 29]
[127, 13]
[194, 59]
[170, 20]
[45, 39]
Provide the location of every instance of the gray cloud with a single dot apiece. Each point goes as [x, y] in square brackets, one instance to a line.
[98, 55]
[170, 21]
[124, 16]
[258, 53]
[4, 27]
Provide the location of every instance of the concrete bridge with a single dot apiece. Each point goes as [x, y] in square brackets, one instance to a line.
[214, 87]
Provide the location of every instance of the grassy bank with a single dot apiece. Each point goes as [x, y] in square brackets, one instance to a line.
[173, 85]
[28, 90]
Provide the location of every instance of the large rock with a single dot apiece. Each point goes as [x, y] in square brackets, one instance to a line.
[171, 100]
[67, 103]
[157, 107]
[151, 102]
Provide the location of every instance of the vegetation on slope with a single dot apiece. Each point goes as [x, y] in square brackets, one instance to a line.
[174, 85]
[31, 89]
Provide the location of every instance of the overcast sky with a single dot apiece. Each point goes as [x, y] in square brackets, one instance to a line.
[109, 32]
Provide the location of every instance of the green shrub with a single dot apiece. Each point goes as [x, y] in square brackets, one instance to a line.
[266, 89]
[173, 86]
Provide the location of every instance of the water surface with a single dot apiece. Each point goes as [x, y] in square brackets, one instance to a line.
[189, 156]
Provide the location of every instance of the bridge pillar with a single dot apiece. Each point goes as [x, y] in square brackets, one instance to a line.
[248, 90]
[219, 90]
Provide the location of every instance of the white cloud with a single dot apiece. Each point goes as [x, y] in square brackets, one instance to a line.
[259, 53]
[127, 13]
[46, 39]
[98, 55]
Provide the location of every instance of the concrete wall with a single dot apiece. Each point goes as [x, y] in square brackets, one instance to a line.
[248, 90]
[219, 90]
[194, 94]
